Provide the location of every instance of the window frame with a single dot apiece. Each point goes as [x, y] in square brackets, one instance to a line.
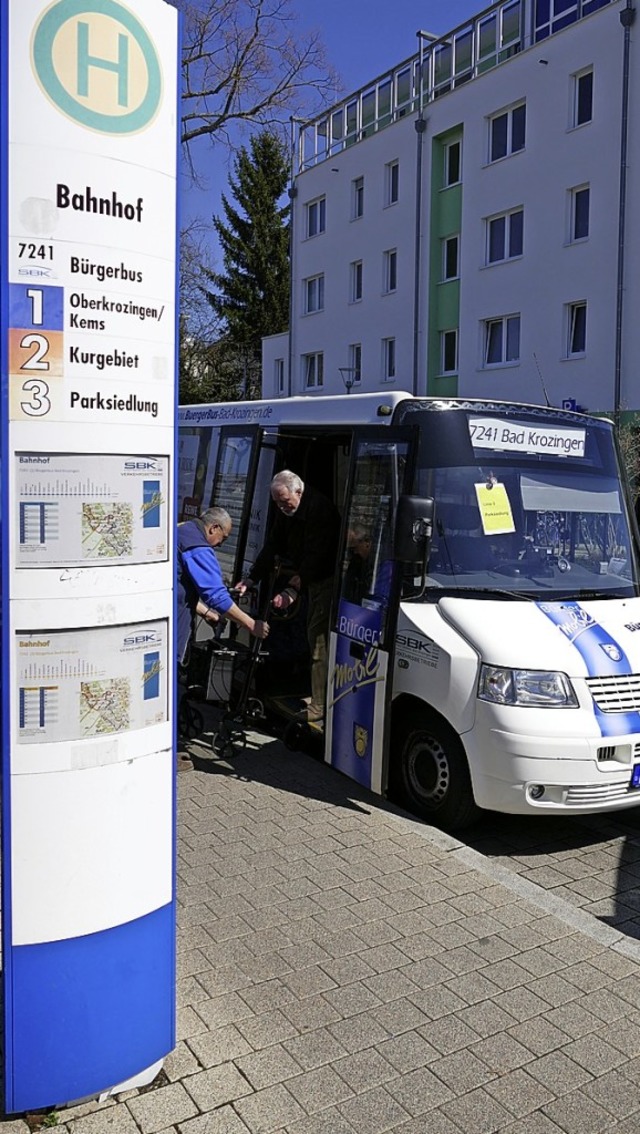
[507, 237]
[278, 376]
[446, 241]
[356, 285]
[577, 78]
[389, 359]
[573, 311]
[446, 371]
[447, 150]
[574, 237]
[502, 322]
[392, 183]
[355, 362]
[507, 114]
[357, 198]
[313, 296]
[313, 362]
[390, 271]
[319, 204]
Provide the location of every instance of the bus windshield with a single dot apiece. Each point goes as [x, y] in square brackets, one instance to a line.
[513, 515]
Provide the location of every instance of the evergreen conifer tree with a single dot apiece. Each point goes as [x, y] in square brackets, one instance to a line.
[251, 294]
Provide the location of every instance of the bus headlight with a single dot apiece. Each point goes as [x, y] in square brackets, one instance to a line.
[527, 687]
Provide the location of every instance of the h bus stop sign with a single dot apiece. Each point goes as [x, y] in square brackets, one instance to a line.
[88, 291]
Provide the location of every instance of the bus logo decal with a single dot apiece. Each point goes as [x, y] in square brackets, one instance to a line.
[97, 64]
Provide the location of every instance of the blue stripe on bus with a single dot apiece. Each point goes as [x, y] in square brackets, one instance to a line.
[601, 653]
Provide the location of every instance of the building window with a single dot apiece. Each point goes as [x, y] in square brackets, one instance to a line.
[355, 363]
[313, 371]
[501, 341]
[507, 132]
[390, 278]
[451, 258]
[579, 213]
[582, 98]
[355, 281]
[278, 370]
[313, 294]
[452, 163]
[316, 216]
[392, 182]
[449, 352]
[388, 359]
[576, 329]
[505, 236]
[357, 198]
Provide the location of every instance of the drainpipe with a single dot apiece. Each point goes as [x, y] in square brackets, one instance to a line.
[293, 192]
[421, 126]
[627, 17]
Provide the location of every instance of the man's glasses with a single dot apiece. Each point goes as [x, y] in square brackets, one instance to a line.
[225, 535]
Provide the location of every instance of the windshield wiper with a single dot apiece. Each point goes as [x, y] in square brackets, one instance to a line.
[489, 592]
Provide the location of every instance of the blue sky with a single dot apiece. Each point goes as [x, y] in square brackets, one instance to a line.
[362, 39]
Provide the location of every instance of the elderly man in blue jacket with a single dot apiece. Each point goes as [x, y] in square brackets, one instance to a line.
[201, 588]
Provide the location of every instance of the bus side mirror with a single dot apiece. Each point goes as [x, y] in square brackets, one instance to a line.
[414, 527]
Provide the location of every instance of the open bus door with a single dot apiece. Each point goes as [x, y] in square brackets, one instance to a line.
[363, 626]
[243, 471]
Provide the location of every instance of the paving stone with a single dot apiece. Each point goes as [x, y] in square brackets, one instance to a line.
[219, 1046]
[217, 1086]
[518, 1092]
[373, 1112]
[576, 1113]
[269, 1110]
[420, 1091]
[364, 1069]
[461, 1071]
[328, 1121]
[477, 1112]
[222, 1121]
[269, 1027]
[271, 1065]
[359, 1032]
[559, 1073]
[110, 1120]
[315, 1090]
[408, 1051]
[501, 1053]
[156, 1110]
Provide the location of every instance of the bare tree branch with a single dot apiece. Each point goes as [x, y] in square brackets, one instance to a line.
[245, 62]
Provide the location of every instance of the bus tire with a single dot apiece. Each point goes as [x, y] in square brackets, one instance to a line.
[432, 774]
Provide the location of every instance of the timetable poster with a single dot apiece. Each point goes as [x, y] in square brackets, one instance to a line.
[80, 684]
[87, 510]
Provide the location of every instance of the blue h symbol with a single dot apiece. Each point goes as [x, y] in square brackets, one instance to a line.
[85, 60]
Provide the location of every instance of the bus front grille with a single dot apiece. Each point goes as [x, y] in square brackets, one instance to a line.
[617, 694]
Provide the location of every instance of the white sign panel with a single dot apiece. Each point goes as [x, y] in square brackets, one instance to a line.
[524, 437]
[80, 509]
[73, 685]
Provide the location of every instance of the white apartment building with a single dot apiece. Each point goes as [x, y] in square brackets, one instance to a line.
[467, 223]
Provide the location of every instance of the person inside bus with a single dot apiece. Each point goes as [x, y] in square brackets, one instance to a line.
[305, 536]
[354, 583]
[201, 589]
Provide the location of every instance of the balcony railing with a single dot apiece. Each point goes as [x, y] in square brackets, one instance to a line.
[492, 37]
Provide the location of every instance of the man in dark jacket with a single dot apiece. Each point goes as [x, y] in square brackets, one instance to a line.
[304, 534]
[200, 585]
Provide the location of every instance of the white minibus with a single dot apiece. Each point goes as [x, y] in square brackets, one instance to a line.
[486, 652]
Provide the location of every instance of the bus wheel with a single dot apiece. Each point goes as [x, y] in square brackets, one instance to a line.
[432, 774]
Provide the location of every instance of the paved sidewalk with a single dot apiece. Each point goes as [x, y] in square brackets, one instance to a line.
[347, 970]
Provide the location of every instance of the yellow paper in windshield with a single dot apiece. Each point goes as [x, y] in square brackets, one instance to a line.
[495, 509]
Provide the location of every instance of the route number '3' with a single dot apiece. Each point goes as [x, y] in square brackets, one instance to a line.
[39, 403]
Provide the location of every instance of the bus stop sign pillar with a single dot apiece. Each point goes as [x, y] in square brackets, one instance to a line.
[88, 124]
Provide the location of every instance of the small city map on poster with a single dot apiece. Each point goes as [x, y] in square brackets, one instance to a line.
[75, 684]
[87, 510]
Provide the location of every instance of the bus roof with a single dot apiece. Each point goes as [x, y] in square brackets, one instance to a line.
[341, 409]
